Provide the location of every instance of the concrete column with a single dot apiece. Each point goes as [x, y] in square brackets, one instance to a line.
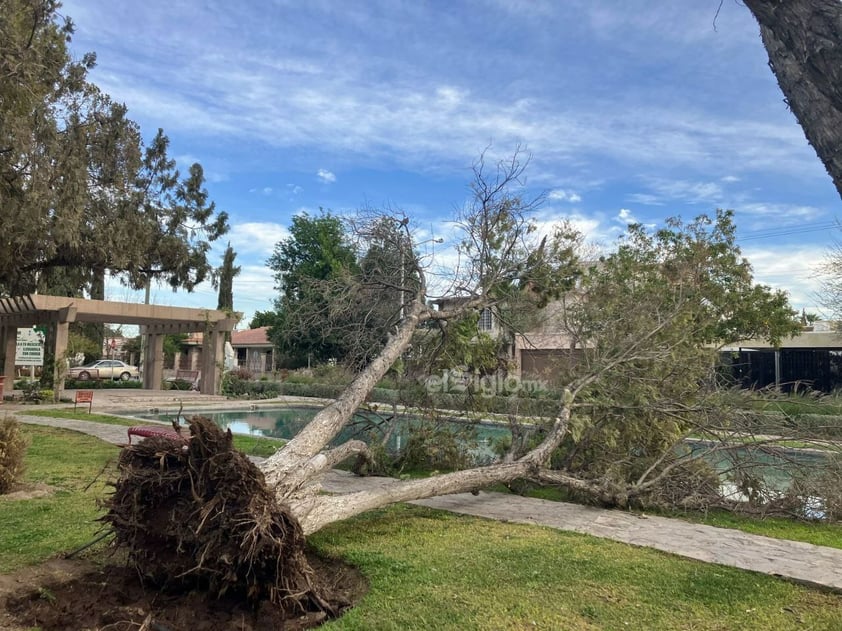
[9, 336]
[62, 330]
[153, 374]
[213, 343]
[194, 357]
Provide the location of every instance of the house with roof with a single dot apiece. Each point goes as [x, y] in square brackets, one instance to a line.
[537, 353]
[253, 349]
[546, 347]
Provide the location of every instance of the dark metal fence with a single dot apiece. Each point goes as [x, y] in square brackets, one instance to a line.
[789, 369]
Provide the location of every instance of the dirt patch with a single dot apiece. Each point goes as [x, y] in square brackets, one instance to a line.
[27, 492]
[76, 594]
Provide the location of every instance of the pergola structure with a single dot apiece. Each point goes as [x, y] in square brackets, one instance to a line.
[155, 322]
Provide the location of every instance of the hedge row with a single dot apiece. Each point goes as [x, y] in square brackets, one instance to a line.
[415, 396]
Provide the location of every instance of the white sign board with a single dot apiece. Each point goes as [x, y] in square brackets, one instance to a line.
[30, 348]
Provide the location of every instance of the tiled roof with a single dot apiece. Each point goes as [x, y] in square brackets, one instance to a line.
[251, 337]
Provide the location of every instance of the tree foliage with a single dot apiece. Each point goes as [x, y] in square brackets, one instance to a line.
[80, 193]
[306, 265]
[649, 320]
[225, 280]
[263, 318]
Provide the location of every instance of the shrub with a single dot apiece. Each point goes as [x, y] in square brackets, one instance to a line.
[32, 391]
[299, 377]
[320, 390]
[240, 372]
[333, 375]
[102, 384]
[178, 384]
[816, 493]
[13, 446]
[233, 385]
[438, 447]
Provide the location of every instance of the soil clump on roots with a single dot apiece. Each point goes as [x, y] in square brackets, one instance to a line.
[205, 540]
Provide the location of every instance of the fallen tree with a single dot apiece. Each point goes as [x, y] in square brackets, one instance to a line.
[680, 291]
[645, 320]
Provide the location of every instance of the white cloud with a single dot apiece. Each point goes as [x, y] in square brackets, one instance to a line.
[664, 191]
[564, 196]
[449, 96]
[186, 160]
[783, 214]
[255, 237]
[625, 217]
[326, 176]
[254, 290]
[594, 232]
[300, 91]
[792, 268]
[647, 199]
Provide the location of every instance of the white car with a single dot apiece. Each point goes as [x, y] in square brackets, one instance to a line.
[105, 369]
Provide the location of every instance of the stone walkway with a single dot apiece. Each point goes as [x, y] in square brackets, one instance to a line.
[801, 562]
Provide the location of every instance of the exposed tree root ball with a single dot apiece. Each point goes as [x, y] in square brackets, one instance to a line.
[197, 514]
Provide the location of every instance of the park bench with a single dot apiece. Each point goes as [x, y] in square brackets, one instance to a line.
[147, 431]
[188, 376]
[84, 396]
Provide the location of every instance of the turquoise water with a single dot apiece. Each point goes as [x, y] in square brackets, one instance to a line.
[773, 465]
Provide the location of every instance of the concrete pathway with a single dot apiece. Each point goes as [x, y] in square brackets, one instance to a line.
[801, 562]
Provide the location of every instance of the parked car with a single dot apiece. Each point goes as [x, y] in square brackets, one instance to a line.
[105, 369]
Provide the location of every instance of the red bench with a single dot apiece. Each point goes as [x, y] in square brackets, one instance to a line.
[147, 431]
[84, 396]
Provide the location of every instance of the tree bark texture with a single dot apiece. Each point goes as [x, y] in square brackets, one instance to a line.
[301, 460]
[315, 511]
[804, 41]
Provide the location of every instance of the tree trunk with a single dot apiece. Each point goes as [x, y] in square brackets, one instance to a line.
[804, 41]
[315, 511]
[95, 331]
[300, 461]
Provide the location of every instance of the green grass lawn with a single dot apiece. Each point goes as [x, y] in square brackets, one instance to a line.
[795, 404]
[79, 415]
[35, 529]
[434, 570]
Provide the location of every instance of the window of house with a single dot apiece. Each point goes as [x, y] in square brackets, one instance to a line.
[486, 320]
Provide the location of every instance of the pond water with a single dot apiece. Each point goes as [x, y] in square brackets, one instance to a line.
[772, 464]
[288, 421]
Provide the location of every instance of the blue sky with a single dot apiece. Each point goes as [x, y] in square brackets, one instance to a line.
[633, 111]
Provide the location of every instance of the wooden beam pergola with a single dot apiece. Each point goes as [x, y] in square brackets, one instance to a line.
[155, 321]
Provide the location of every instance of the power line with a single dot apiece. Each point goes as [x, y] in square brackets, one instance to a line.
[783, 232]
